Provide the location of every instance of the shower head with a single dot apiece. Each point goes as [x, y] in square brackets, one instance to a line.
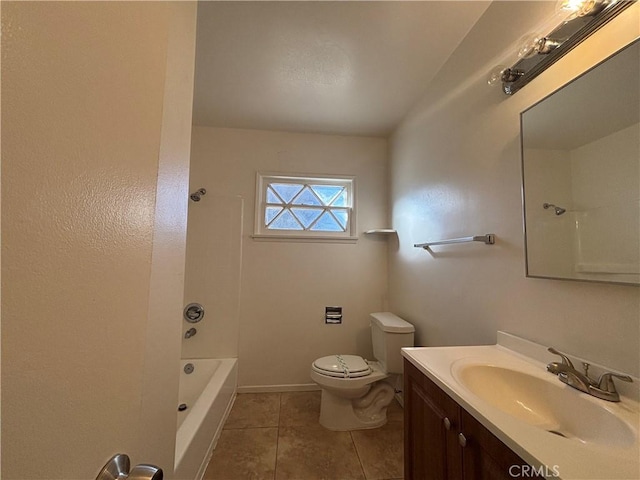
[195, 196]
[558, 210]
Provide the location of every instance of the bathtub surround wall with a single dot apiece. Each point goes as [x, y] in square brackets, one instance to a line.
[455, 170]
[212, 273]
[287, 285]
[96, 131]
[212, 278]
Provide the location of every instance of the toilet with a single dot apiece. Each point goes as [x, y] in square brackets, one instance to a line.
[356, 392]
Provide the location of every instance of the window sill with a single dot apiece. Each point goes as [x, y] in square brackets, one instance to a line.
[303, 238]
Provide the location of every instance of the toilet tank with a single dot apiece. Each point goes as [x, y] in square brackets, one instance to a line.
[389, 333]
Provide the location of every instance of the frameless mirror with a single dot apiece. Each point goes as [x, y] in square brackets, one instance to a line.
[581, 176]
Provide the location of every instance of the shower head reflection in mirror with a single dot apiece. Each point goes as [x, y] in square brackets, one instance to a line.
[581, 161]
[558, 210]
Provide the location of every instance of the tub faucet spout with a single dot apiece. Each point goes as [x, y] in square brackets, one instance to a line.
[190, 333]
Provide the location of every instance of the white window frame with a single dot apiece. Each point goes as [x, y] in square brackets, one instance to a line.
[262, 232]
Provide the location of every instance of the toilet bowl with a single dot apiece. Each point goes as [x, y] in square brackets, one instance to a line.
[356, 392]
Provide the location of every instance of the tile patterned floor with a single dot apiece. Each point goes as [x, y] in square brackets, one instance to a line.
[276, 436]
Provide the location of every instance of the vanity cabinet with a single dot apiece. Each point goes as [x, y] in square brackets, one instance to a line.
[444, 442]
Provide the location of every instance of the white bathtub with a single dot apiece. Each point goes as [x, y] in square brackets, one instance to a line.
[208, 393]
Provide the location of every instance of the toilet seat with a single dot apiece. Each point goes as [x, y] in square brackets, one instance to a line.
[342, 366]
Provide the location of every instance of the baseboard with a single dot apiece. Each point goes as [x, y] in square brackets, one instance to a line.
[296, 387]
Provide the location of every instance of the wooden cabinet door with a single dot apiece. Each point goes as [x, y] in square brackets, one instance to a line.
[432, 420]
[485, 457]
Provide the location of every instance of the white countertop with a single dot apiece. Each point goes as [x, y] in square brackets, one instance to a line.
[570, 458]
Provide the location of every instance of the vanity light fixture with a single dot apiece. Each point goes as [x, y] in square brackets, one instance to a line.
[571, 23]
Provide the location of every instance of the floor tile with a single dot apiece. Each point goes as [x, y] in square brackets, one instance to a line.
[299, 409]
[315, 453]
[253, 410]
[251, 447]
[244, 454]
[381, 451]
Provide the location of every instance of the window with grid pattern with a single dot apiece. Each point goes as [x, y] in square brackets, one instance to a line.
[296, 206]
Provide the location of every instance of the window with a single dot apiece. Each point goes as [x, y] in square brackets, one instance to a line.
[302, 207]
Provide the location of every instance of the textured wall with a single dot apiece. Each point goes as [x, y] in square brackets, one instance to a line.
[455, 167]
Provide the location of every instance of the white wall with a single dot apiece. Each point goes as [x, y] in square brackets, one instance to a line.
[96, 128]
[286, 285]
[455, 168]
[212, 273]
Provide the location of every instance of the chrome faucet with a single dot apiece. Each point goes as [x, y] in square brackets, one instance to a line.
[603, 388]
[190, 333]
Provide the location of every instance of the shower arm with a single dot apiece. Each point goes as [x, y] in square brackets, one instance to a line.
[558, 210]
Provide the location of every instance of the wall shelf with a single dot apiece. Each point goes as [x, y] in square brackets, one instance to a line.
[381, 231]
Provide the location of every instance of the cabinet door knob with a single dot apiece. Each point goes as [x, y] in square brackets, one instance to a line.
[462, 440]
[447, 423]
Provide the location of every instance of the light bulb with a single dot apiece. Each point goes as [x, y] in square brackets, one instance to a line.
[529, 45]
[495, 75]
[576, 8]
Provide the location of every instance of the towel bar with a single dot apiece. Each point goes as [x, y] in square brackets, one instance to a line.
[488, 239]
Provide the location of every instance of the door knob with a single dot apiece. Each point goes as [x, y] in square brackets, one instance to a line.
[145, 472]
[119, 468]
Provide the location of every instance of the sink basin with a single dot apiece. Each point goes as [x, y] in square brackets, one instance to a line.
[547, 404]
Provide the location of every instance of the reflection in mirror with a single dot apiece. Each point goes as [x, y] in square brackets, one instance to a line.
[581, 176]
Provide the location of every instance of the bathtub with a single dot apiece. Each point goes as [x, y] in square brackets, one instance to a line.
[208, 393]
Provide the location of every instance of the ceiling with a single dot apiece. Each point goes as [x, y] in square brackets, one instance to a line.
[351, 68]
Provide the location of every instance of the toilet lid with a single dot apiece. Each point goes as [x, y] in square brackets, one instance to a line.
[344, 366]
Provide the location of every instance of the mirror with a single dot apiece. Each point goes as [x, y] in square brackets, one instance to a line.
[581, 176]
